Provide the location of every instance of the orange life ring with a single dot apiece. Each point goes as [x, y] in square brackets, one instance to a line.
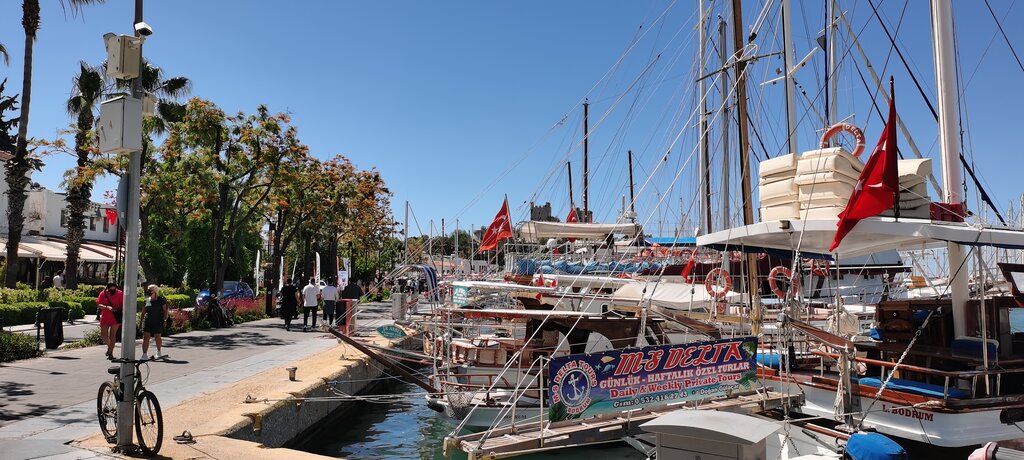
[858, 135]
[821, 267]
[718, 278]
[773, 281]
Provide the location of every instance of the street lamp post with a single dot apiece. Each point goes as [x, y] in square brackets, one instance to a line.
[125, 408]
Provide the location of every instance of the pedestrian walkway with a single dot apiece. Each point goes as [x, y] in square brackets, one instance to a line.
[73, 331]
[51, 400]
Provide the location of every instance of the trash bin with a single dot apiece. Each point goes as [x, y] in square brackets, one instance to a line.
[52, 320]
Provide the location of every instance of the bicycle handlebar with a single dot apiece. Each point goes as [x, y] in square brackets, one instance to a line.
[133, 361]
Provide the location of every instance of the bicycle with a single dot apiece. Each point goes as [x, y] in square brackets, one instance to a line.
[149, 421]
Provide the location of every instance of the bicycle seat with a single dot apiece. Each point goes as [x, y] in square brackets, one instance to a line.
[114, 370]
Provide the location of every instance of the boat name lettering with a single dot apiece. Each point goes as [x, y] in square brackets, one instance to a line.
[679, 357]
[909, 412]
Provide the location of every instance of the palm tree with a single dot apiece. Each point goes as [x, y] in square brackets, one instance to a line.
[88, 88]
[3, 54]
[18, 167]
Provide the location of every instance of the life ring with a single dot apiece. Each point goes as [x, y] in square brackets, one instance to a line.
[718, 278]
[720, 308]
[858, 135]
[773, 281]
[821, 267]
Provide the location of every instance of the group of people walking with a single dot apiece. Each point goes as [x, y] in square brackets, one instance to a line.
[110, 303]
[311, 296]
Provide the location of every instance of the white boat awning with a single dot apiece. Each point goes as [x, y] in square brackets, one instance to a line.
[34, 247]
[540, 231]
[871, 235]
[501, 287]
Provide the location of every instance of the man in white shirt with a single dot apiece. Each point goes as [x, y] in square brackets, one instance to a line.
[58, 281]
[310, 299]
[330, 296]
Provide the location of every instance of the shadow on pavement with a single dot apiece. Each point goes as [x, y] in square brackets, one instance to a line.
[14, 392]
[236, 339]
[62, 357]
[29, 369]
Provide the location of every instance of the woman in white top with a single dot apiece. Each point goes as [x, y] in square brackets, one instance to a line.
[330, 296]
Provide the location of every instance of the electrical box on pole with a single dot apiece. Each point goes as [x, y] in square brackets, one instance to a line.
[123, 55]
[120, 126]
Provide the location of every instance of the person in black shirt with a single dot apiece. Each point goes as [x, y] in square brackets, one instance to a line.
[352, 292]
[289, 303]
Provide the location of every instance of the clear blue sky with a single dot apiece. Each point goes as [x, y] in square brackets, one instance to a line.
[458, 103]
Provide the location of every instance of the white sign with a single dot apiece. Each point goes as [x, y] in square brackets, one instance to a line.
[342, 278]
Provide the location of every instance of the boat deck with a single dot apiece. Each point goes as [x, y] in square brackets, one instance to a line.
[531, 438]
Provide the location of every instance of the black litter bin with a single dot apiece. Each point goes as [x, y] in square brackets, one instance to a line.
[52, 320]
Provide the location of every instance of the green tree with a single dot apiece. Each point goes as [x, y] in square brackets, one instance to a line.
[21, 164]
[87, 88]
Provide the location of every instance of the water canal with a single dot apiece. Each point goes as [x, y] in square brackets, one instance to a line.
[410, 430]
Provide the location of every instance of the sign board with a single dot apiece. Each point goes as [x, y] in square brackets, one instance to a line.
[391, 332]
[460, 295]
[586, 385]
[342, 278]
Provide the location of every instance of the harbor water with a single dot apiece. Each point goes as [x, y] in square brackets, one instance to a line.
[410, 430]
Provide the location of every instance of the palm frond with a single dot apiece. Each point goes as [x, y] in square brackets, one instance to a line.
[3, 54]
[176, 87]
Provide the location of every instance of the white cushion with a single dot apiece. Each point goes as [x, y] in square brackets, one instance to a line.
[825, 190]
[845, 165]
[786, 211]
[914, 171]
[822, 212]
[831, 151]
[778, 165]
[824, 177]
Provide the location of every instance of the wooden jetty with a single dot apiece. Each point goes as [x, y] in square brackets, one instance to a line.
[534, 437]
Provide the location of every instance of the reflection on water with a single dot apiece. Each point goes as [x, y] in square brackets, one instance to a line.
[411, 430]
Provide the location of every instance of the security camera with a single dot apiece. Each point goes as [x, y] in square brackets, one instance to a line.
[143, 29]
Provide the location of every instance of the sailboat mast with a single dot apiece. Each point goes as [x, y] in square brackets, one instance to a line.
[405, 258]
[586, 153]
[705, 157]
[726, 120]
[572, 203]
[741, 113]
[949, 129]
[632, 197]
[788, 55]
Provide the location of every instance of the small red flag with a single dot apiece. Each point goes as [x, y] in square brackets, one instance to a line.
[689, 267]
[111, 216]
[499, 230]
[572, 219]
[878, 187]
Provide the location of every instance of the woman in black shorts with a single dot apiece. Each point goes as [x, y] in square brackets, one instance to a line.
[153, 317]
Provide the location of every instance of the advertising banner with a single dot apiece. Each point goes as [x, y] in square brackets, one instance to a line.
[590, 384]
[460, 295]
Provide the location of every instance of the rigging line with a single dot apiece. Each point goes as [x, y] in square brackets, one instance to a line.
[963, 160]
[991, 41]
[1003, 32]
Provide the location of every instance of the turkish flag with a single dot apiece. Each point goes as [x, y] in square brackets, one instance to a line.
[499, 230]
[878, 187]
[111, 216]
[572, 219]
[689, 266]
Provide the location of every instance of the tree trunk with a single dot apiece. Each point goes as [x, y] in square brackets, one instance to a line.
[78, 200]
[218, 221]
[18, 167]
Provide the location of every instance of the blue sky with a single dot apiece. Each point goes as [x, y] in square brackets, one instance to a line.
[458, 103]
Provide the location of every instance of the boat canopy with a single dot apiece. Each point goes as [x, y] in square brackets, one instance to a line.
[672, 241]
[674, 296]
[541, 231]
[588, 281]
[871, 235]
[499, 286]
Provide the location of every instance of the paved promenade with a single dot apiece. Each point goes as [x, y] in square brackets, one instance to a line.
[51, 401]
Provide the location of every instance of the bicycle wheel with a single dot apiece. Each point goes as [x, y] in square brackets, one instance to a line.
[106, 409]
[149, 423]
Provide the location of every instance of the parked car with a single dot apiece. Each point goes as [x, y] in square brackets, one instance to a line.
[232, 290]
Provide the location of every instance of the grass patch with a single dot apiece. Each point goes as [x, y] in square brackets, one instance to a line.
[91, 338]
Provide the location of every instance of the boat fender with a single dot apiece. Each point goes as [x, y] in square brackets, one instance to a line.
[773, 281]
[874, 446]
[718, 282]
[858, 135]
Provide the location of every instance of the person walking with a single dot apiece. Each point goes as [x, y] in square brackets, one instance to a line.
[153, 317]
[58, 281]
[351, 294]
[330, 296]
[310, 300]
[289, 296]
[110, 303]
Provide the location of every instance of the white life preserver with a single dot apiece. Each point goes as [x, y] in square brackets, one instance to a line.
[773, 281]
[858, 135]
[720, 279]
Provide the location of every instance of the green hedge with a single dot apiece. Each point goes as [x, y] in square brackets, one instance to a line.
[17, 346]
[74, 309]
[9, 296]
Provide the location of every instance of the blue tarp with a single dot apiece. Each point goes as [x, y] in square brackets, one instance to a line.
[874, 446]
[672, 241]
[910, 386]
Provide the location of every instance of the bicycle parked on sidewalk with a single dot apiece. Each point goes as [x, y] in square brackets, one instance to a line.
[149, 421]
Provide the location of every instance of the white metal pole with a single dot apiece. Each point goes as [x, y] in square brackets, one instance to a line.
[702, 125]
[788, 54]
[949, 130]
[126, 407]
[726, 120]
